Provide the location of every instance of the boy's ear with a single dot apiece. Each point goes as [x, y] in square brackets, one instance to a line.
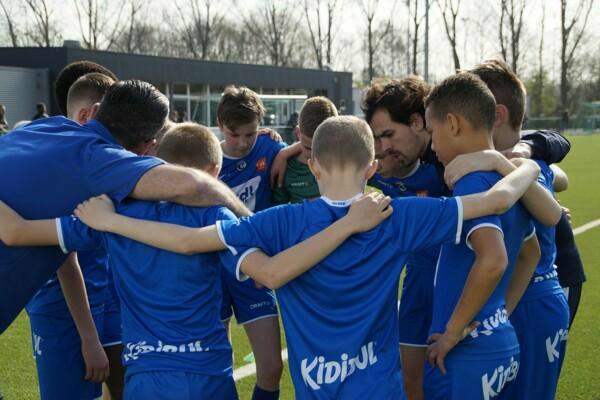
[502, 115]
[83, 115]
[93, 111]
[371, 169]
[453, 124]
[416, 121]
[214, 170]
[297, 132]
[315, 168]
[220, 125]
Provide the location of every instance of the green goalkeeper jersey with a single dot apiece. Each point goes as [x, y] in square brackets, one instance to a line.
[299, 184]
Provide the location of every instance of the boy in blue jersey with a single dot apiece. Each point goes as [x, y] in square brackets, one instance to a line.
[472, 340]
[247, 160]
[340, 317]
[541, 319]
[176, 345]
[404, 174]
[69, 315]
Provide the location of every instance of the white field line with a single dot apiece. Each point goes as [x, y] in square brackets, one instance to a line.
[250, 369]
[586, 227]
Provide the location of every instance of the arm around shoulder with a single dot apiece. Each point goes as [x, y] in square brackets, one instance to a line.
[186, 186]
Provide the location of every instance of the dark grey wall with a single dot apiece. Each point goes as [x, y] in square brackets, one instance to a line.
[337, 85]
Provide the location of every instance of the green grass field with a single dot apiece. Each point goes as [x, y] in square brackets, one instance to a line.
[579, 379]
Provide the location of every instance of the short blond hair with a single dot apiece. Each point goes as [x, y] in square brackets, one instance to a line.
[314, 111]
[343, 141]
[191, 145]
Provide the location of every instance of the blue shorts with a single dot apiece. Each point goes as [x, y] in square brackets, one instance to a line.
[174, 385]
[248, 302]
[112, 333]
[416, 306]
[473, 380]
[58, 358]
[542, 326]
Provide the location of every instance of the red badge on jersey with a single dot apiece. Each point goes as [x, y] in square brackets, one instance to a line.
[261, 165]
[422, 193]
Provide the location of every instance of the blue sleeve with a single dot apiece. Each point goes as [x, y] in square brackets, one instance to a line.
[470, 184]
[263, 230]
[546, 176]
[74, 235]
[421, 222]
[115, 171]
[549, 146]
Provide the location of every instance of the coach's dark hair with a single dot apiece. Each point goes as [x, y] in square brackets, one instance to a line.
[399, 97]
[506, 87]
[133, 111]
[464, 94]
[70, 74]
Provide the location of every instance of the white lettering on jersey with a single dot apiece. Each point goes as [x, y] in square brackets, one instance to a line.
[552, 345]
[134, 350]
[247, 192]
[492, 386]
[489, 324]
[37, 341]
[329, 372]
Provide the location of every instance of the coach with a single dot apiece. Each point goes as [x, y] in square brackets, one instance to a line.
[51, 165]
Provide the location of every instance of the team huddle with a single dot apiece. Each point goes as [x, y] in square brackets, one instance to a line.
[161, 233]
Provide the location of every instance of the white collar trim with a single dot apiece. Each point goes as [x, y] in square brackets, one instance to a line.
[341, 203]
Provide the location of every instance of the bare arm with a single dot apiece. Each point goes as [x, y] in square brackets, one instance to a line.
[528, 258]
[503, 194]
[561, 179]
[73, 287]
[490, 264]
[17, 231]
[278, 270]
[186, 186]
[99, 213]
[538, 201]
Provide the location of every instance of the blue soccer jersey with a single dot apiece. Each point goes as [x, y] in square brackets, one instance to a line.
[545, 277]
[248, 176]
[541, 319]
[170, 303]
[424, 180]
[51, 165]
[495, 336]
[50, 300]
[340, 317]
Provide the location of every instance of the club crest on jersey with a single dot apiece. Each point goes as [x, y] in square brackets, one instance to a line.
[241, 165]
[261, 165]
[400, 186]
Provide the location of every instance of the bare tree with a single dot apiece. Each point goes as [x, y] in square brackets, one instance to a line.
[374, 37]
[99, 23]
[416, 21]
[540, 74]
[321, 37]
[201, 27]
[136, 32]
[570, 38]
[449, 10]
[42, 33]
[511, 18]
[276, 27]
[10, 23]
